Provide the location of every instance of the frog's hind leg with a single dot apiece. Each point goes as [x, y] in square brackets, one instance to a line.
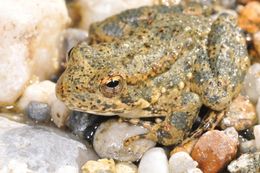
[219, 70]
[175, 126]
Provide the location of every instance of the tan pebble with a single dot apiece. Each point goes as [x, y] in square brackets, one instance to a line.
[214, 150]
[126, 167]
[256, 40]
[102, 165]
[249, 17]
[241, 114]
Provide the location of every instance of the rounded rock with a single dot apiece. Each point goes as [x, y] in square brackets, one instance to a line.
[257, 137]
[181, 162]
[38, 111]
[154, 161]
[109, 141]
[100, 166]
[252, 82]
[126, 167]
[240, 114]
[214, 150]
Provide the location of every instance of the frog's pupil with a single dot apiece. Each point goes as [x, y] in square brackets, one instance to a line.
[112, 83]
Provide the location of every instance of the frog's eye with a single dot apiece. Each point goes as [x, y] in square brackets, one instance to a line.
[111, 86]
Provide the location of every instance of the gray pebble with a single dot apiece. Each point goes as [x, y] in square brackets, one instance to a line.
[38, 111]
[246, 163]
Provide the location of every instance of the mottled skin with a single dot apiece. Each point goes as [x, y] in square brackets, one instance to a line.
[156, 62]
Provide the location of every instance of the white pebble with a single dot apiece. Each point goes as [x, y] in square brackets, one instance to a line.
[252, 82]
[109, 141]
[154, 161]
[257, 136]
[181, 162]
[29, 43]
[194, 170]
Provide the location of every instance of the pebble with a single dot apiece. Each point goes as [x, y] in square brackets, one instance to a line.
[246, 146]
[83, 124]
[44, 92]
[39, 149]
[30, 37]
[240, 114]
[93, 11]
[257, 136]
[109, 141]
[258, 110]
[246, 163]
[181, 162]
[214, 150]
[249, 17]
[99, 166]
[38, 111]
[256, 41]
[252, 82]
[154, 161]
[126, 167]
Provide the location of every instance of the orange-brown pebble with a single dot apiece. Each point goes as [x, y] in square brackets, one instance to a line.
[256, 40]
[214, 150]
[249, 17]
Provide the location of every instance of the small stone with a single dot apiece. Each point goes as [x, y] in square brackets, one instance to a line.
[252, 82]
[257, 137]
[44, 92]
[256, 41]
[181, 162]
[214, 150]
[154, 161]
[194, 170]
[245, 1]
[246, 163]
[100, 166]
[249, 17]
[258, 110]
[246, 146]
[38, 111]
[39, 149]
[240, 114]
[126, 167]
[109, 141]
[83, 124]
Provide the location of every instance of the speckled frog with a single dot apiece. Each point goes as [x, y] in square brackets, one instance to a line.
[156, 62]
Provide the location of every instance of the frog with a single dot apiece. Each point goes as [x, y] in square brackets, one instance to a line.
[156, 62]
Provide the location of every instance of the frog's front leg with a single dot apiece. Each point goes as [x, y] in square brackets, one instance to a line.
[219, 70]
[176, 125]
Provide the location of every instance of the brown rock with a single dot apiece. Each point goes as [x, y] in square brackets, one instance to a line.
[214, 150]
[241, 114]
[256, 40]
[245, 1]
[249, 17]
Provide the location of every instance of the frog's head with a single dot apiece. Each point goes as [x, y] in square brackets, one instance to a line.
[94, 83]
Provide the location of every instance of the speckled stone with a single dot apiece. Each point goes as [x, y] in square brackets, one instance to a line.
[214, 150]
[240, 114]
[38, 111]
[246, 163]
[99, 166]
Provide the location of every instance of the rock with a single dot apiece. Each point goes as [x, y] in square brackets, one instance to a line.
[181, 162]
[245, 1]
[246, 163]
[154, 161]
[92, 11]
[257, 137]
[39, 149]
[194, 170]
[109, 141]
[38, 111]
[249, 17]
[83, 124]
[100, 166]
[240, 114]
[44, 92]
[126, 167]
[252, 82]
[258, 110]
[30, 37]
[256, 41]
[214, 150]
[246, 146]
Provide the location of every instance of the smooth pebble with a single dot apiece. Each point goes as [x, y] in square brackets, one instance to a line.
[181, 162]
